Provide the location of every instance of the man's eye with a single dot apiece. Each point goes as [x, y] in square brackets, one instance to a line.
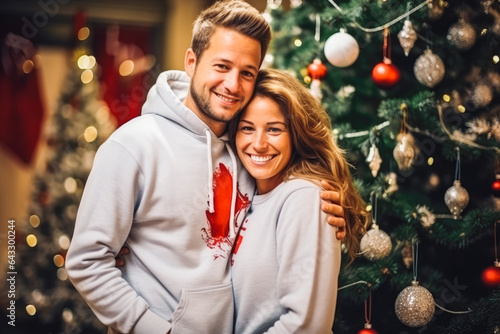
[248, 74]
[221, 66]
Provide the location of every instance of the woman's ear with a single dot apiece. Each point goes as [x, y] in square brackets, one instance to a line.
[190, 62]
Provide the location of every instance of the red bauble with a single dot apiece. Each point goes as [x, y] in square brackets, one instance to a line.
[491, 275]
[495, 187]
[317, 70]
[367, 331]
[385, 74]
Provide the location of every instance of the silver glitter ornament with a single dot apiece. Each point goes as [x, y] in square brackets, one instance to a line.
[404, 153]
[415, 305]
[429, 69]
[462, 35]
[456, 199]
[375, 244]
[482, 95]
[407, 37]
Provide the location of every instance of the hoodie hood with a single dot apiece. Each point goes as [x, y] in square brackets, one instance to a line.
[166, 99]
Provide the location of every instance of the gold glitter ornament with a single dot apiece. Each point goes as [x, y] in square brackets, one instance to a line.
[429, 69]
[375, 244]
[415, 305]
[481, 95]
[374, 160]
[456, 199]
[462, 35]
[436, 9]
[407, 37]
[404, 153]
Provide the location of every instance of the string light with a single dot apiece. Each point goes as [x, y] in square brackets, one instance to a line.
[34, 221]
[83, 33]
[31, 240]
[87, 76]
[31, 309]
[126, 68]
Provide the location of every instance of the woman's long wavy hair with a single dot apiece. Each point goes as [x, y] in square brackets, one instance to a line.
[315, 156]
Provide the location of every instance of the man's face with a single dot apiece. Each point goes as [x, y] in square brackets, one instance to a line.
[223, 78]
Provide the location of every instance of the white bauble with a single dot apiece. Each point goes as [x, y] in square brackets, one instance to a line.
[341, 49]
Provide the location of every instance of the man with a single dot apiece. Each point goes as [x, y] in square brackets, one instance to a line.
[150, 190]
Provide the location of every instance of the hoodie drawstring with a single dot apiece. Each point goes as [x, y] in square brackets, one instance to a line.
[234, 194]
[210, 173]
[232, 232]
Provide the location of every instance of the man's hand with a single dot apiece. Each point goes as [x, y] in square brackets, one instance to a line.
[119, 260]
[331, 206]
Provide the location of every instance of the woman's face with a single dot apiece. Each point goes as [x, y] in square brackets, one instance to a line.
[263, 142]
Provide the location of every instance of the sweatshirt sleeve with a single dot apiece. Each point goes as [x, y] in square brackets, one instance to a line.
[104, 220]
[309, 263]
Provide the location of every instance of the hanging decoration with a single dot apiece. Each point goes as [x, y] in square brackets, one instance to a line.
[317, 71]
[429, 69]
[368, 314]
[495, 186]
[481, 95]
[385, 74]
[415, 305]
[392, 181]
[436, 9]
[374, 160]
[404, 153]
[491, 275]
[462, 35]
[375, 244]
[341, 49]
[456, 197]
[407, 37]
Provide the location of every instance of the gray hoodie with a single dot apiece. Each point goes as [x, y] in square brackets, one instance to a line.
[162, 185]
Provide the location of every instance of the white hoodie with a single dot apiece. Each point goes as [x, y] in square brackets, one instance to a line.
[161, 185]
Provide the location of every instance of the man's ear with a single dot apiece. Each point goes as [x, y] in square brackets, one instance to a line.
[190, 62]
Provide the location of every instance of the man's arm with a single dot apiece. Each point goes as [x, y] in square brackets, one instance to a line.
[330, 205]
[103, 223]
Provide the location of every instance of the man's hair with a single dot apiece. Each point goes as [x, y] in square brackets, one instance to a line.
[316, 156]
[236, 15]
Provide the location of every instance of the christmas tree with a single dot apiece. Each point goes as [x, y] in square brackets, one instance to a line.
[46, 300]
[413, 90]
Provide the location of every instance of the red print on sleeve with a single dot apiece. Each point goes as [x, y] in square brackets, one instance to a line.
[216, 235]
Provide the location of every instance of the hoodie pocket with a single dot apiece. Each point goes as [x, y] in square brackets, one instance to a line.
[204, 310]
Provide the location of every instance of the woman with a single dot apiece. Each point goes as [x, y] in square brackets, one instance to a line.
[286, 261]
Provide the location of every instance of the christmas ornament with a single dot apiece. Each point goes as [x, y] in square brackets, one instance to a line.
[368, 314]
[317, 70]
[491, 275]
[429, 69]
[456, 199]
[368, 330]
[495, 186]
[481, 95]
[404, 152]
[415, 305]
[341, 49]
[407, 37]
[385, 74]
[392, 181]
[427, 218]
[406, 254]
[462, 35]
[375, 244]
[435, 9]
[374, 160]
